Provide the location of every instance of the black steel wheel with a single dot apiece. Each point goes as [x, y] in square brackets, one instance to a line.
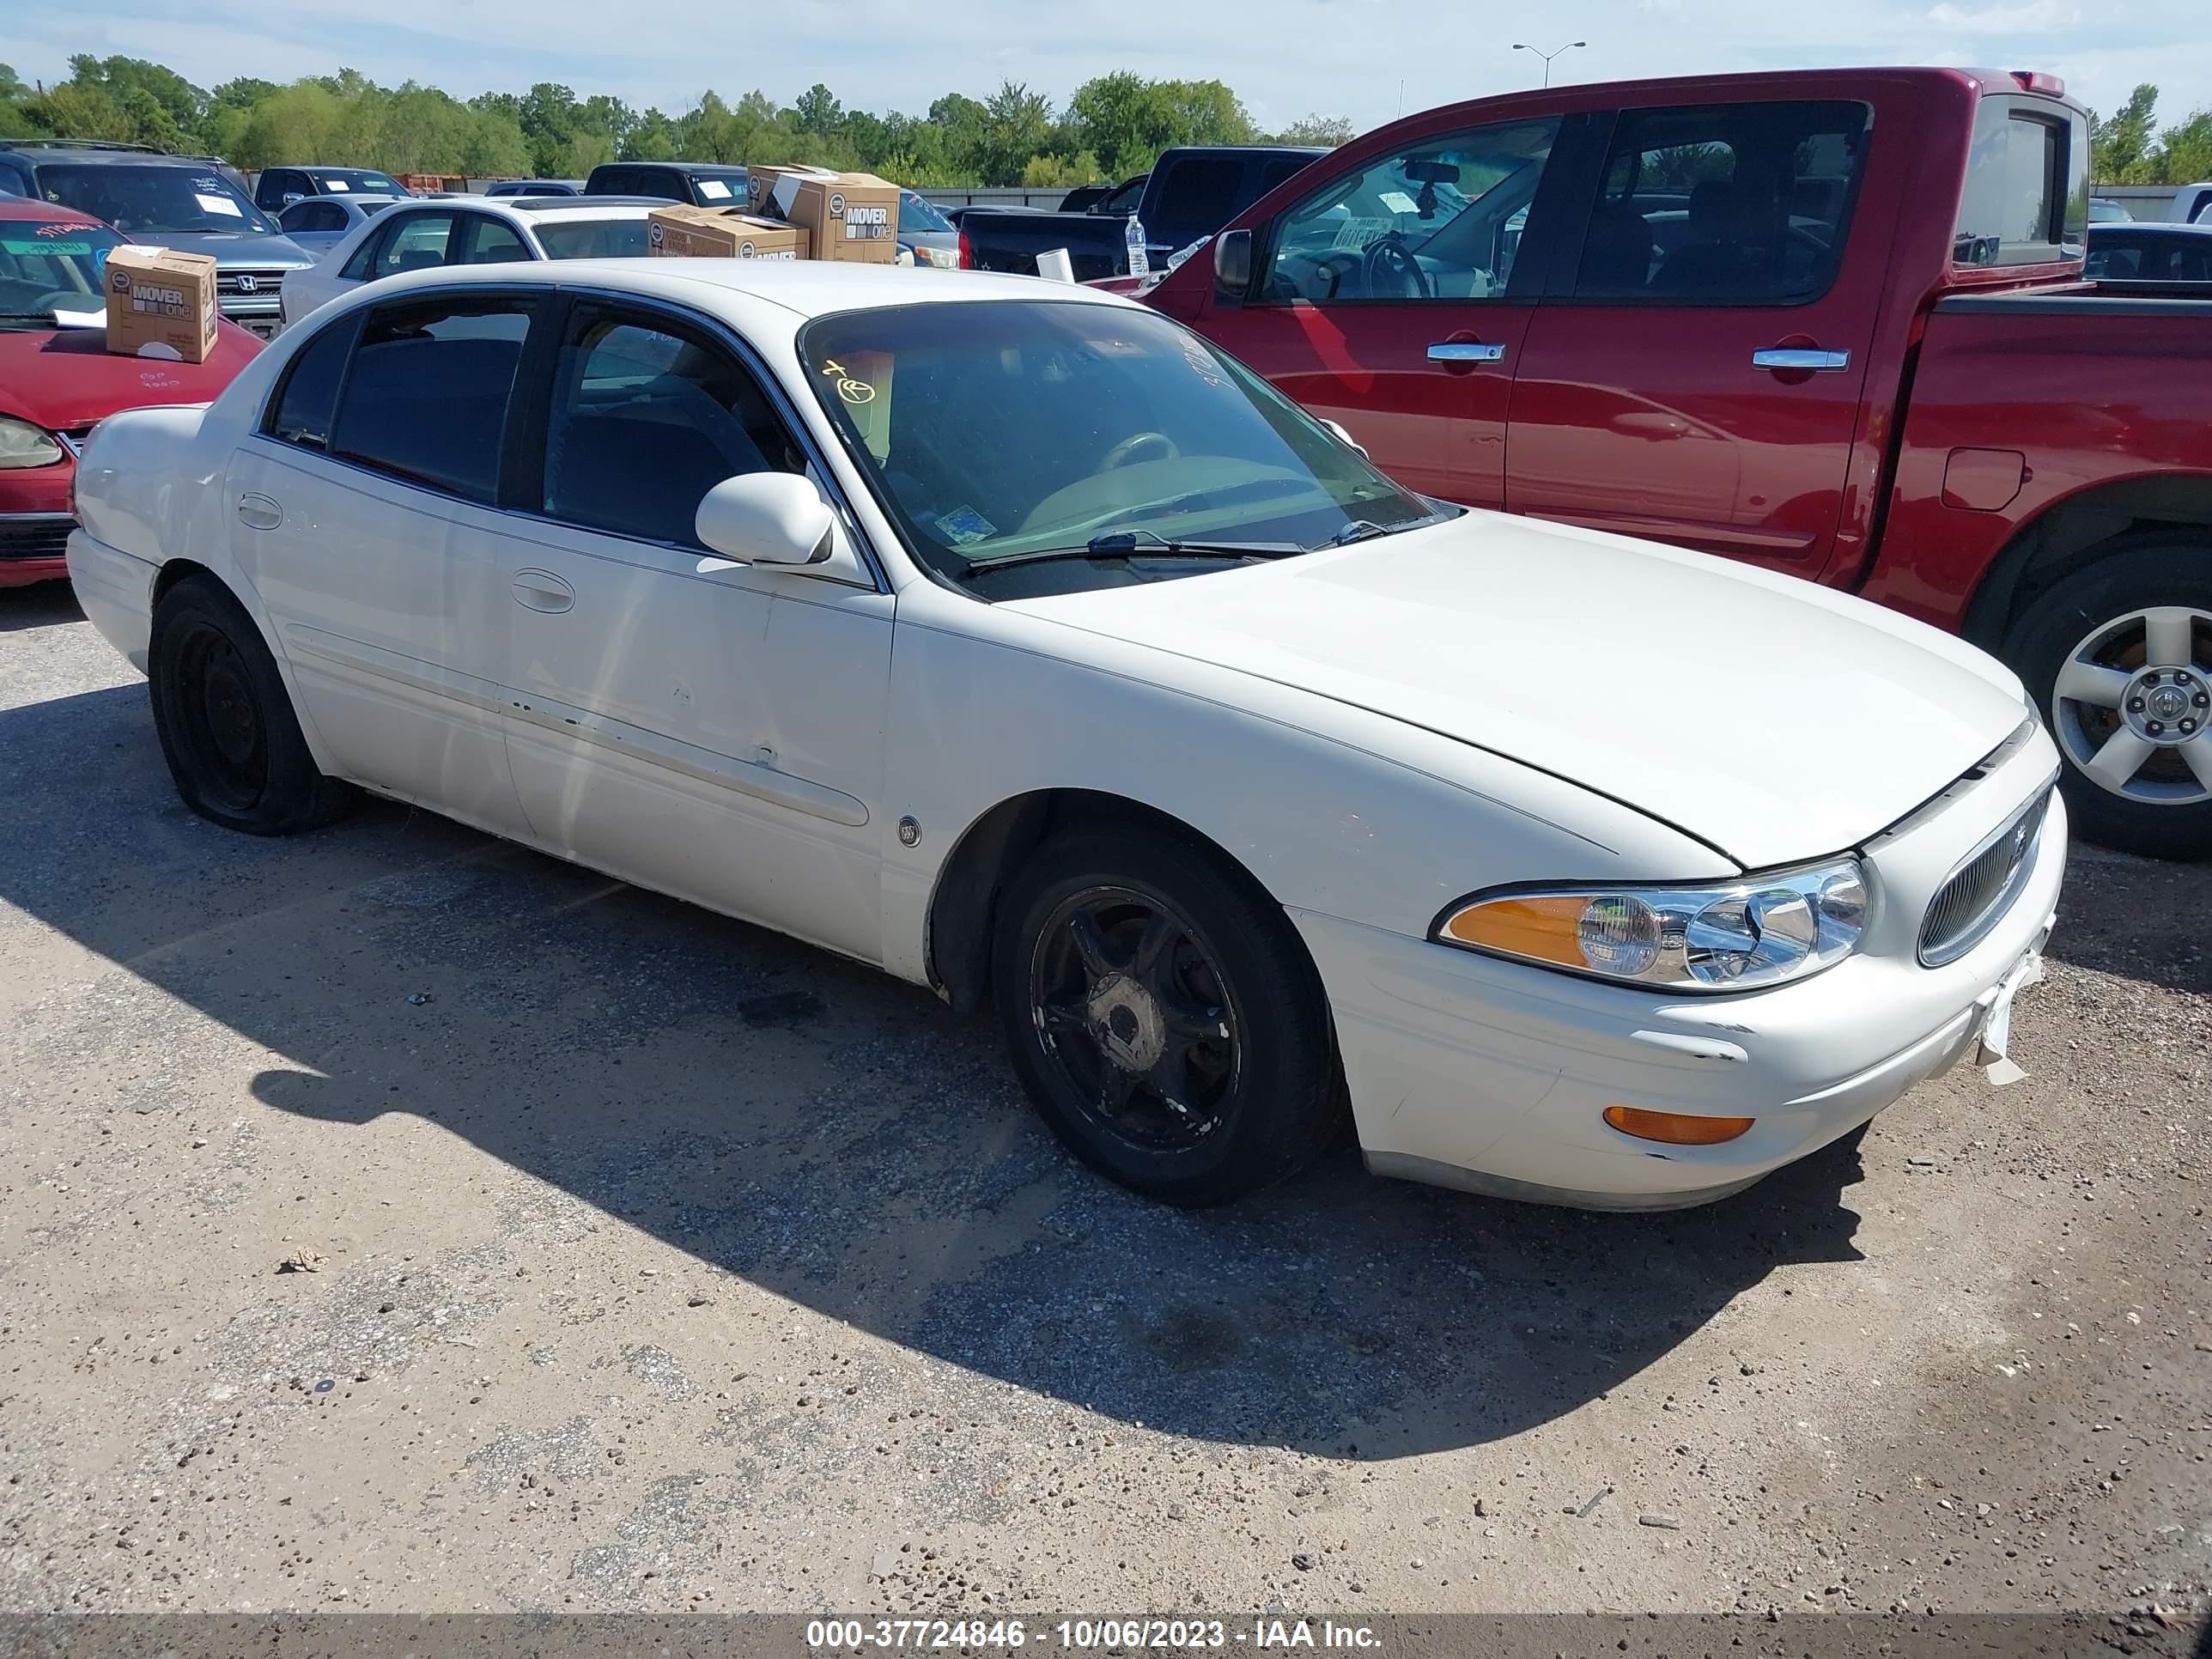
[234, 746]
[1164, 1017]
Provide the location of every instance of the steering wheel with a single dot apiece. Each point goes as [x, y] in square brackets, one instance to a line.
[1140, 446]
[1390, 270]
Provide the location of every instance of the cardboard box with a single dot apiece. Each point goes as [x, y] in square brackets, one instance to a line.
[761, 182]
[160, 303]
[852, 216]
[681, 231]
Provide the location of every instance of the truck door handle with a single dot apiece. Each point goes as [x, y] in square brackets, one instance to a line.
[259, 512]
[1800, 357]
[541, 590]
[1465, 351]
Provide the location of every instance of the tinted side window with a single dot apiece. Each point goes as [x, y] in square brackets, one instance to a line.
[414, 243]
[1196, 197]
[1730, 204]
[1441, 220]
[357, 266]
[300, 411]
[427, 393]
[647, 416]
[491, 243]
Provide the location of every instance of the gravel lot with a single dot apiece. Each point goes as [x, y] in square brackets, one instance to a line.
[660, 1263]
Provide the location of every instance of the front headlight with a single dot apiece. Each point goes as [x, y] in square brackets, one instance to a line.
[22, 444]
[1717, 936]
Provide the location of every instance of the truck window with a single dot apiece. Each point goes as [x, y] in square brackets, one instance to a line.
[1197, 196]
[2026, 196]
[1438, 220]
[1726, 205]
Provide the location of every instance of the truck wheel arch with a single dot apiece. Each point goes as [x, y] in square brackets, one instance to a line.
[2076, 531]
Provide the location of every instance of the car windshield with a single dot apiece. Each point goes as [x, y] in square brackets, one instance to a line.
[592, 238]
[997, 429]
[917, 215]
[46, 265]
[154, 199]
[342, 181]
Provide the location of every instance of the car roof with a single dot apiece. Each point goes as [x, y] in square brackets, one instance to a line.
[2158, 227]
[533, 208]
[29, 207]
[680, 167]
[802, 288]
[103, 154]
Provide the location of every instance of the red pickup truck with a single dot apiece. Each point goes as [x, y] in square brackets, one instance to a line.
[1833, 323]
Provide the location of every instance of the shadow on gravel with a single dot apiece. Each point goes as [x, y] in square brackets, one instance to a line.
[42, 604]
[2137, 917]
[842, 1139]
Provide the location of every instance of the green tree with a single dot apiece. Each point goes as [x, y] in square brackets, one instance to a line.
[2120, 148]
[817, 111]
[1330, 129]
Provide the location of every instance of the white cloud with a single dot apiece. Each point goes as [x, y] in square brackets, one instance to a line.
[1286, 58]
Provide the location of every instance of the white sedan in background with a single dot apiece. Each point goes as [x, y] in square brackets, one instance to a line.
[1009, 637]
[419, 234]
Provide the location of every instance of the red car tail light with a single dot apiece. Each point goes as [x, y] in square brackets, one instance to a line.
[967, 253]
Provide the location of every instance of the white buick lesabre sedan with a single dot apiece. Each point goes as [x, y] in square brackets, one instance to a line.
[1010, 638]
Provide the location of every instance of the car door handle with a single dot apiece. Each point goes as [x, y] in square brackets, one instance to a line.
[1465, 351]
[541, 590]
[259, 512]
[1800, 357]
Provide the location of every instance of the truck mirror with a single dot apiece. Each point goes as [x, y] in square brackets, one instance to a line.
[1232, 262]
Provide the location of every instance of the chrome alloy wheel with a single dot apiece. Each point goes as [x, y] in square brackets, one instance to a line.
[2133, 703]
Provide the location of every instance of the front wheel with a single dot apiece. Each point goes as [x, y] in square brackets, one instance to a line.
[1164, 1017]
[2119, 656]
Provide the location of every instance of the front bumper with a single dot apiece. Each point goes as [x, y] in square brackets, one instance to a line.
[1492, 1076]
[35, 523]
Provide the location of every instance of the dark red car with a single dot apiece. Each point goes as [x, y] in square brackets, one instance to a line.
[1834, 323]
[56, 379]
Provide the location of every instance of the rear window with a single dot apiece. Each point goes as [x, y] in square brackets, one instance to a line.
[426, 397]
[1196, 198]
[2027, 195]
[592, 238]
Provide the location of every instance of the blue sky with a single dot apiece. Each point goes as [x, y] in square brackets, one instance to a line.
[1362, 58]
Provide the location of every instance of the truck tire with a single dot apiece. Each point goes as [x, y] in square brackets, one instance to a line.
[226, 724]
[1164, 1017]
[2119, 657]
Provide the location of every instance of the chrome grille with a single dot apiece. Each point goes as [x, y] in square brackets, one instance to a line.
[233, 284]
[1979, 893]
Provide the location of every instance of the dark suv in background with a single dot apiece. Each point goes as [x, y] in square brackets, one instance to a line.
[193, 203]
[703, 184]
[277, 188]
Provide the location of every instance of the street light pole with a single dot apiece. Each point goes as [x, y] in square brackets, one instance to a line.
[1548, 55]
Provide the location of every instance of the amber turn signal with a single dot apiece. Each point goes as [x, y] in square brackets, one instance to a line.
[1676, 1128]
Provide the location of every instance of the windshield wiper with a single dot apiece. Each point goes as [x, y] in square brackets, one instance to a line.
[1140, 544]
[1358, 530]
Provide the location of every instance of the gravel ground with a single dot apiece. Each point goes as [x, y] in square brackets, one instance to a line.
[646, 1261]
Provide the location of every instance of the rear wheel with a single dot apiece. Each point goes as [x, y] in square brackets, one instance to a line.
[226, 724]
[1164, 1017]
[2119, 656]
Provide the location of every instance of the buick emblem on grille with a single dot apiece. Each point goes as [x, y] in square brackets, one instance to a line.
[249, 285]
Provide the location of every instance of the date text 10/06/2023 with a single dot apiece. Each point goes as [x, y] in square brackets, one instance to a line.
[1087, 1635]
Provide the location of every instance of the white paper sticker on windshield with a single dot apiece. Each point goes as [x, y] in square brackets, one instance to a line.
[713, 188]
[335, 185]
[1398, 202]
[221, 204]
[1359, 232]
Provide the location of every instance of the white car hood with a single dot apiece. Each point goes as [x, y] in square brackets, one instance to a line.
[1773, 719]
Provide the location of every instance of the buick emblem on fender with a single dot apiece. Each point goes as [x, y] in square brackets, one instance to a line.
[249, 285]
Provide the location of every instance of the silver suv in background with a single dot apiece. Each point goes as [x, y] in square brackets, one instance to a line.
[193, 203]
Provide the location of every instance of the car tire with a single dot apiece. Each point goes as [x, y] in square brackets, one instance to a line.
[226, 722]
[1164, 1017]
[2091, 635]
